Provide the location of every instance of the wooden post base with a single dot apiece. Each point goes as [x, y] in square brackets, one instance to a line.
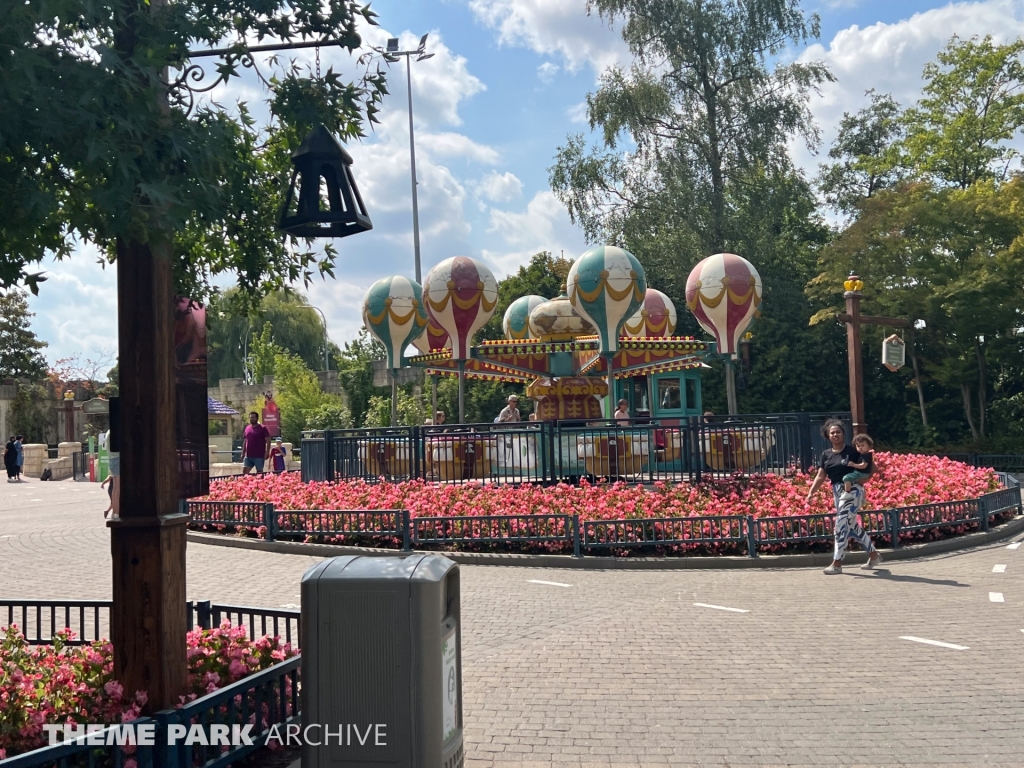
[148, 623]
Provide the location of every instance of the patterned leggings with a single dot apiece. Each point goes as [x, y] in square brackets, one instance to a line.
[846, 520]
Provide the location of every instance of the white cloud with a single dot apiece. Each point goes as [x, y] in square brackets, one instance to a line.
[543, 226]
[890, 58]
[554, 27]
[577, 113]
[457, 145]
[499, 187]
[76, 309]
[547, 71]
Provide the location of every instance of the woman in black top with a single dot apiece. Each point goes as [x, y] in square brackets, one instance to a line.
[11, 460]
[834, 465]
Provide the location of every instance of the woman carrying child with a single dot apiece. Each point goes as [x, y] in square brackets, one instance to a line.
[847, 491]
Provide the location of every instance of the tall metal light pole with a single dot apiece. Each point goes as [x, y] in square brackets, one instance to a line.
[327, 365]
[391, 54]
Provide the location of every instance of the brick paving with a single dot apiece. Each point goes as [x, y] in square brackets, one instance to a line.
[622, 669]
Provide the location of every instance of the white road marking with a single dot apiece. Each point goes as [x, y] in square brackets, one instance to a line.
[1001, 568]
[721, 608]
[1015, 545]
[996, 597]
[549, 583]
[936, 642]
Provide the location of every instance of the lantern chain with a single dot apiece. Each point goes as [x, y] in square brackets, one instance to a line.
[318, 63]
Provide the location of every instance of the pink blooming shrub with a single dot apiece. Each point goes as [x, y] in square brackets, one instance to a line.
[58, 683]
[900, 480]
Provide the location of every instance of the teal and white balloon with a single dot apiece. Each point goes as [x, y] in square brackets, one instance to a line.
[394, 313]
[606, 286]
[516, 322]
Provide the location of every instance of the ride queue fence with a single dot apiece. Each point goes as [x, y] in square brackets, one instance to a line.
[635, 451]
[741, 534]
[266, 699]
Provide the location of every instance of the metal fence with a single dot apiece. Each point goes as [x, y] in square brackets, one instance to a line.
[40, 620]
[1001, 462]
[265, 699]
[634, 451]
[79, 466]
[566, 533]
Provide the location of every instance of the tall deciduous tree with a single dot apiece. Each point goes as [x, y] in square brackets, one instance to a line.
[20, 355]
[973, 104]
[699, 105]
[864, 154]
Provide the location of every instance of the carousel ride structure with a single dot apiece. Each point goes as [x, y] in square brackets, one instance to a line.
[606, 327]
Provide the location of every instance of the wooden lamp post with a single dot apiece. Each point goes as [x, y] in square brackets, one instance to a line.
[854, 319]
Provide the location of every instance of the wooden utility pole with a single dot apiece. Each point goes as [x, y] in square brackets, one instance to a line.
[148, 623]
[854, 319]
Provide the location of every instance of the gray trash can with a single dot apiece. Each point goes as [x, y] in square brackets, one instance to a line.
[382, 662]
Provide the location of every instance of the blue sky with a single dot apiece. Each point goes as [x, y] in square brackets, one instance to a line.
[505, 87]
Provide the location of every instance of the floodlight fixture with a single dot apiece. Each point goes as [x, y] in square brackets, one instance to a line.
[423, 43]
[392, 44]
[425, 56]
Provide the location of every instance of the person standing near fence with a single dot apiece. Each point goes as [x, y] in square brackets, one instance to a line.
[11, 460]
[834, 465]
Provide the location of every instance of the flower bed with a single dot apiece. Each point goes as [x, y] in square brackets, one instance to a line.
[900, 480]
[75, 684]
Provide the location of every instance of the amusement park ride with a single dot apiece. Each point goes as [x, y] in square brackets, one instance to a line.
[608, 336]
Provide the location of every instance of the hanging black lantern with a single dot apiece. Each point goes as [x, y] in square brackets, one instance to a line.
[328, 203]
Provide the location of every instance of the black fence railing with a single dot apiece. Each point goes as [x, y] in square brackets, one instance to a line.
[260, 705]
[635, 451]
[1000, 462]
[737, 534]
[40, 620]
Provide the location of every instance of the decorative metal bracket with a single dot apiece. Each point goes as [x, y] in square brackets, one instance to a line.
[182, 90]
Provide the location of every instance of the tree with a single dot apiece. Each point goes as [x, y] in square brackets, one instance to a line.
[865, 155]
[701, 108]
[950, 257]
[20, 355]
[355, 373]
[973, 104]
[111, 163]
[261, 358]
[543, 276]
[233, 325]
[302, 403]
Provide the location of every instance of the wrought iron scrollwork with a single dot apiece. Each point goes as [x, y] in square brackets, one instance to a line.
[182, 90]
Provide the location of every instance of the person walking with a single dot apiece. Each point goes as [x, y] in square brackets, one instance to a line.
[11, 460]
[834, 466]
[277, 456]
[19, 446]
[255, 445]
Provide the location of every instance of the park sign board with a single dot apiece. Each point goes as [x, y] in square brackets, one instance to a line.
[894, 353]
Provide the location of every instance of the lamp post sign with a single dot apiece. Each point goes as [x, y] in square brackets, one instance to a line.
[894, 353]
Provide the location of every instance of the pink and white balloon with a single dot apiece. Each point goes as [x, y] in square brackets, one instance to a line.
[724, 293]
[656, 318]
[461, 295]
[432, 340]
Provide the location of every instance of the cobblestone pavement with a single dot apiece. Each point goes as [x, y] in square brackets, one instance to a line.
[621, 668]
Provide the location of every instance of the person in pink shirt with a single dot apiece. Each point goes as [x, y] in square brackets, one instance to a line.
[255, 445]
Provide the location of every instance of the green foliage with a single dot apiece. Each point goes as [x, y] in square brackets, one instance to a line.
[329, 415]
[232, 324]
[866, 155]
[32, 414]
[300, 399]
[91, 153]
[412, 410]
[20, 355]
[543, 276]
[262, 355]
[973, 104]
[701, 108]
[355, 373]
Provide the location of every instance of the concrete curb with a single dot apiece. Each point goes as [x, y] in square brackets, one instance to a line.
[597, 563]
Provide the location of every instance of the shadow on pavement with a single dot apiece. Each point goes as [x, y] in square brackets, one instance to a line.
[883, 573]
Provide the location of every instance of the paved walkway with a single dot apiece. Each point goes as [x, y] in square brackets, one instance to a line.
[622, 668]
